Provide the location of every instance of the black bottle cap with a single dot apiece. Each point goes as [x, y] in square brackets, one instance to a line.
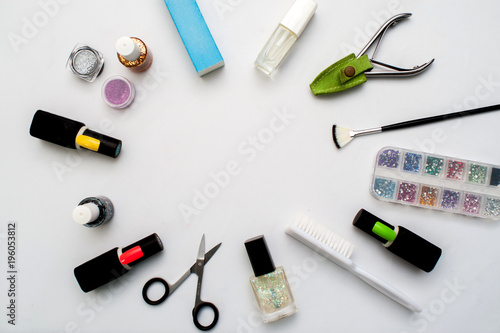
[107, 267]
[150, 245]
[55, 129]
[99, 271]
[365, 221]
[259, 255]
[415, 249]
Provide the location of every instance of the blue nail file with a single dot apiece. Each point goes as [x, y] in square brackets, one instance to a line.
[195, 35]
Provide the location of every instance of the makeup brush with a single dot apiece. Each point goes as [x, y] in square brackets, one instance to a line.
[342, 135]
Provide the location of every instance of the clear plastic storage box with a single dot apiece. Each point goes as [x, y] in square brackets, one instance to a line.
[437, 182]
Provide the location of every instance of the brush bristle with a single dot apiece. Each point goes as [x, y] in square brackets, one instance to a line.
[324, 235]
[341, 136]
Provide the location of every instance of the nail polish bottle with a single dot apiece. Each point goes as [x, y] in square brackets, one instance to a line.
[133, 54]
[285, 35]
[72, 134]
[85, 62]
[269, 284]
[115, 263]
[399, 240]
[93, 211]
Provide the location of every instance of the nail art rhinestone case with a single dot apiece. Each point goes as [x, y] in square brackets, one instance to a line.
[437, 182]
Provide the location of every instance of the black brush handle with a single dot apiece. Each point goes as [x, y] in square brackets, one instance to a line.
[433, 119]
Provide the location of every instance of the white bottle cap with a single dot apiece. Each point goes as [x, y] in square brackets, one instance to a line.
[128, 49]
[298, 16]
[86, 213]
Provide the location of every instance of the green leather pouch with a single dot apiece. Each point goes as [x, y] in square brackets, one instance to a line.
[344, 74]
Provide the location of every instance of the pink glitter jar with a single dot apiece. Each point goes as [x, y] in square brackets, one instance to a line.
[118, 92]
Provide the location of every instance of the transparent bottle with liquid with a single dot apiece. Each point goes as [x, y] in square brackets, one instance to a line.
[273, 295]
[277, 47]
[269, 283]
[285, 35]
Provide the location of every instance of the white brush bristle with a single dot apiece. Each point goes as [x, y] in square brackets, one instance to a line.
[341, 136]
[324, 235]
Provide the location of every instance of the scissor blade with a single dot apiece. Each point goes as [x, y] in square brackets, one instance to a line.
[211, 253]
[207, 257]
[201, 250]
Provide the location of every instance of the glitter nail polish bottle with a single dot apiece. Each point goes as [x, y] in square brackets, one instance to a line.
[269, 284]
[133, 54]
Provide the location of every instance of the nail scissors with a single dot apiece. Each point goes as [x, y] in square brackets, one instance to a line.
[197, 268]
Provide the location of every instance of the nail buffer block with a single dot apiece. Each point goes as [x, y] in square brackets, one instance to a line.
[195, 35]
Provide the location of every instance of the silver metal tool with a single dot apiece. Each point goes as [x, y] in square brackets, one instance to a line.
[197, 269]
[390, 70]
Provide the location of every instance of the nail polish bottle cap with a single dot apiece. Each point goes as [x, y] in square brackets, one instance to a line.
[55, 129]
[299, 15]
[99, 270]
[127, 48]
[85, 213]
[259, 256]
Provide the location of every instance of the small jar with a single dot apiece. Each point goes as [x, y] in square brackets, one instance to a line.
[85, 62]
[118, 92]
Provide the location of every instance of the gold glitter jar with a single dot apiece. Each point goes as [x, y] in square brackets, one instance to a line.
[133, 54]
[269, 284]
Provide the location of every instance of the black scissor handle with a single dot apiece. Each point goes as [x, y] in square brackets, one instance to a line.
[196, 310]
[146, 287]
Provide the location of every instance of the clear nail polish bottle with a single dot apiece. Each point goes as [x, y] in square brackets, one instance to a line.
[285, 35]
[269, 284]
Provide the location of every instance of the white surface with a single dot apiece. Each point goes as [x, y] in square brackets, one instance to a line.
[85, 213]
[299, 15]
[127, 48]
[182, 131]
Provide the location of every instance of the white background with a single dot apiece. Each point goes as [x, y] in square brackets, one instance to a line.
[181, 130]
